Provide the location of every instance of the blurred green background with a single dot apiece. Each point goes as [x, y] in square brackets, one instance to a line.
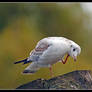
[22, 25]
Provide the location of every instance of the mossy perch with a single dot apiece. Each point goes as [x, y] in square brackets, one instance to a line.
[80, 79]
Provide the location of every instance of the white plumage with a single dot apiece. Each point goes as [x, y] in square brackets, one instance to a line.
[50, 50]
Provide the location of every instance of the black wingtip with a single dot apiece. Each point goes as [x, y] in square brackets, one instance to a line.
[27, 62]
[15, 62]
[20, 61]
[28, 71]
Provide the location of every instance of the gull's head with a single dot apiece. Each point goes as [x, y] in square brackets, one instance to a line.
[74, 51]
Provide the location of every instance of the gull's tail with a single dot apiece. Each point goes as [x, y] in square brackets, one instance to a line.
[32, 68]
[25, 61]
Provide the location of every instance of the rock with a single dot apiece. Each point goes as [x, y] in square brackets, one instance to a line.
[80, 79]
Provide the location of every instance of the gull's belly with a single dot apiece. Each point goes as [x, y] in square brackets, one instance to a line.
[51, 57]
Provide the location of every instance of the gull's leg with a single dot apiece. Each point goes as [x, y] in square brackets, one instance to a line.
[65, 59]
[50, 68]
[63, 62]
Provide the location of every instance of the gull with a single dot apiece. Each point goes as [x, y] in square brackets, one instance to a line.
[49, 51]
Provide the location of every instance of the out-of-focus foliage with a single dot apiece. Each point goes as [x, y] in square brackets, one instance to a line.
[22, 25]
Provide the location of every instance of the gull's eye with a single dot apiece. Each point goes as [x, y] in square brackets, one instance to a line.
[73, 49]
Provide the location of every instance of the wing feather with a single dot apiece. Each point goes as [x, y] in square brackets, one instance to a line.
[39, 50]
